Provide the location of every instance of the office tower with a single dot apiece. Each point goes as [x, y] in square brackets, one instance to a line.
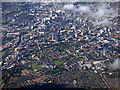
[56, 36]
[52, 36]
[76, 34]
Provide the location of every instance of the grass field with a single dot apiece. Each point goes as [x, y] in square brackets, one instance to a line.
[58, 62]
[38, 67]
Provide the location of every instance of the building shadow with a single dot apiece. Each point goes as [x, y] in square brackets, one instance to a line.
[46, 85]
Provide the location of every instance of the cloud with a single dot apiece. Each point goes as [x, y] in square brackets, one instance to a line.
[115, 65]
[84, 9]
[99, 16]
[103, 22]
[100, 13]
[69, 7]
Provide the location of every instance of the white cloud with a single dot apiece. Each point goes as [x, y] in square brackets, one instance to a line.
[116, 65]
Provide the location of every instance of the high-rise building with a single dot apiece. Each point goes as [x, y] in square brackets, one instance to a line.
[76, 34]
[52, 36]
[56, 36]
[103, 52]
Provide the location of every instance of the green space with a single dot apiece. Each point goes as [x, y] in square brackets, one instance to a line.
[16, 72]
[59, 48]
[4, 79]
[27, 53]
[59, 69]
[89, 78]
[34, 51]
[58, 62]
[4, 54]
[98, 76]
[3, 21]
[29, 56]
[80, 59]
[38, 67]
[104, 86]
[113, 75]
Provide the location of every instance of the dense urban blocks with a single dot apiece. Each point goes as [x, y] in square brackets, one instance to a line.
[60, 45]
